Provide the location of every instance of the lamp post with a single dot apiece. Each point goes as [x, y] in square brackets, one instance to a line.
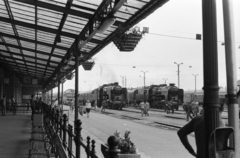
[165, 79]
[195, 75]
[122, 80]
[178, 73]
[144, 77]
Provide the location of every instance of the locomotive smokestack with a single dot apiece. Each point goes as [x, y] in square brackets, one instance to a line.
[171, 84]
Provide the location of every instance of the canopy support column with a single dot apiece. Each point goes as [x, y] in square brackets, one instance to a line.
[233, 109]
[58, 94]
[51, 97]
[210, 70]
[62, 101]
[76, 85]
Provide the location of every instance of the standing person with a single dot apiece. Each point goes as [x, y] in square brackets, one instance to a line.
[40, 104]
[13, 104]
[4, 104]
[196, 125]
[88, 107]
[80, 104]
[147, 108]
[32, 104]
[142, 107]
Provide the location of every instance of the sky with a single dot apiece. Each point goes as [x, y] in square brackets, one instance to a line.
[171, 38]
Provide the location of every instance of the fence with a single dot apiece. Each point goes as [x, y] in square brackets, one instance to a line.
[66, 139]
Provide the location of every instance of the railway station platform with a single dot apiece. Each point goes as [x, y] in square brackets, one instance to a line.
[15, 135]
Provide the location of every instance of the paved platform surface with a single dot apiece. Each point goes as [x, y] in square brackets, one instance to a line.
[14, 135]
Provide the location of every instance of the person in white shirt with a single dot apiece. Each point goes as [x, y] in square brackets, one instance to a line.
[142, 107]
[88, 107]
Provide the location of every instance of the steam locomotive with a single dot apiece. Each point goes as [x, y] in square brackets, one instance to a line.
[114, 94]
[156, 93]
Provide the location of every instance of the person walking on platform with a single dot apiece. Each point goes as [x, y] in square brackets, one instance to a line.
[143, 106]
[32, 104]
[88, 107]
[4, 104]
[147, 108]
[39, 103]
[13, 104]
[80, 105]
[196, 125]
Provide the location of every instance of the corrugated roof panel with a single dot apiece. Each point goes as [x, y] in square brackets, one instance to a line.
[3, 47]
[56, 2]
[25, 52]
[15, 50]
[41, 62]
[18, 61]
[3, 9]
[5, 54]
[93, 4]
[44, 48]
[41, 66]
[11, 40]
[55, 59]
[42, 56]
[17, 56]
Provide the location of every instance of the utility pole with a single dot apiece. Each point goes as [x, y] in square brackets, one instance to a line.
[195, 75]
[178, 73]
[144, 78]
[165, 79]
[125, 82]
[122, 80]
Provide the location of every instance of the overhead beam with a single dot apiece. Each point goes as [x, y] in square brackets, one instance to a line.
[27, 56]
[63, 10]
[30, 68]
[6, 62]
[32, 41]
[28, 49]
[56, 8]
[104, 9]
[58, 36]
[136, 18]
[13, 58]
[45, 29]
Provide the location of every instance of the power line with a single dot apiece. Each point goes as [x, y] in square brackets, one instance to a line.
[158, 34]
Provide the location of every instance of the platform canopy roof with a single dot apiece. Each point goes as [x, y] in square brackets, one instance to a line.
[40, 38]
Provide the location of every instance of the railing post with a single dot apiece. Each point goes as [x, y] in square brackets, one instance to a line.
[53, 122]
[88, 146]
[77, 139]
[57, 122]
[70, 133]
[60, 128]
[93, 148]
[113, 147]
[64, 129]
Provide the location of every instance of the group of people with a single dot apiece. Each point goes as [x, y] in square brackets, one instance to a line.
[36, 105]
[8, 104]
[87, 106]
[145, 107]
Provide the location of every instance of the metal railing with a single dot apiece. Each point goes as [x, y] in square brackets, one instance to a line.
[67, 140]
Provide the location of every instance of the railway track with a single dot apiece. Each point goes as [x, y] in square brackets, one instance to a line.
[158, 123]
[153, 123]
